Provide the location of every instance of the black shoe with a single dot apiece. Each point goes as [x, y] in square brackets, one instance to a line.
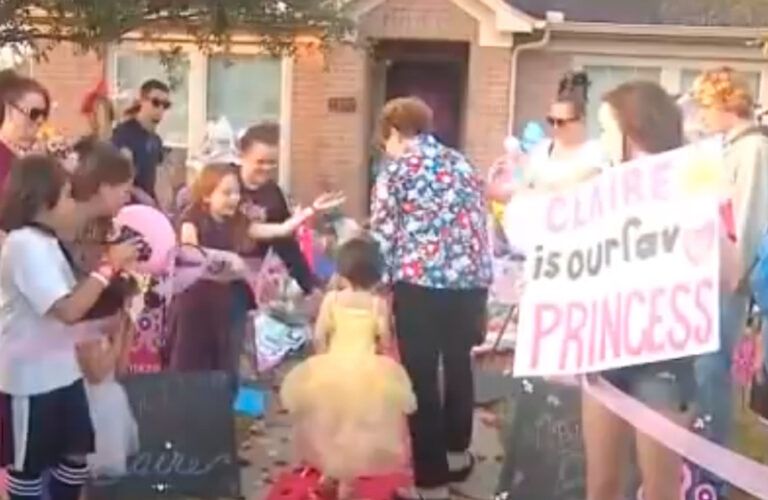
[461, 475]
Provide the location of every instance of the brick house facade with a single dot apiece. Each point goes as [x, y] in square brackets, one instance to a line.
[507, 57]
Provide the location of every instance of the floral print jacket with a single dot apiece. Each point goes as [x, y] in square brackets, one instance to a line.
[429, 217]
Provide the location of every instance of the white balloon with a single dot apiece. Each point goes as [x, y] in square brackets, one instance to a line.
[512, 144]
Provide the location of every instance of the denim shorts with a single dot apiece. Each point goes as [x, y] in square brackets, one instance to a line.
[665, 385]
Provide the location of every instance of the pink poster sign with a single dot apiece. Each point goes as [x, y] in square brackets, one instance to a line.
[623, 269]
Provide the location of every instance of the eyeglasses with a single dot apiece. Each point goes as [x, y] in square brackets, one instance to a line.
[34, 114]
[160, 103]
[560, 122]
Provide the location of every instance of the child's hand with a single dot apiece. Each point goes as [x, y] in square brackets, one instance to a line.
[328, 201]
[122, 255]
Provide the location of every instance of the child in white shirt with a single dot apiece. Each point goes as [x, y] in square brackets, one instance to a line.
[44, 415]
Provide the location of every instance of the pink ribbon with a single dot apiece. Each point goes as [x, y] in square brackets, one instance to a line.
[745, 474]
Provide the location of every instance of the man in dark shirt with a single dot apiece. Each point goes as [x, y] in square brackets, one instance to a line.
[263, 199]
[138, 137]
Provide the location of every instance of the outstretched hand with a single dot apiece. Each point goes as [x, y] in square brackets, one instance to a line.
[328, 201]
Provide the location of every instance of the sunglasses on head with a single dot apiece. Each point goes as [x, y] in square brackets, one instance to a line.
[560, 122]
[34, 114]
[160, 103]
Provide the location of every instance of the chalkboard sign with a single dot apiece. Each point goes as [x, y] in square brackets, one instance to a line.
[544, 456]
[544, 453]
[186, 428]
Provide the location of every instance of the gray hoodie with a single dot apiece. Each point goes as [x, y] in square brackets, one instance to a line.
[746, 163]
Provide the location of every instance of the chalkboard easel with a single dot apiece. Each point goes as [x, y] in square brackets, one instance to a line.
[187, 440]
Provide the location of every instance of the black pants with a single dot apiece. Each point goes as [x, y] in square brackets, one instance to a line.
[435, 325]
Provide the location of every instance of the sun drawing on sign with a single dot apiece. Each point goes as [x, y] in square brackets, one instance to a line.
[702, 173]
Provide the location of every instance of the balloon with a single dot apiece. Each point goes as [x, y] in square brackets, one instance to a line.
[219, 146]
[533, 133]
[158, 239]
[512, 145]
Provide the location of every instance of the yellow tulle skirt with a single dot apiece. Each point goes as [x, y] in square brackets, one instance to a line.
[349, 413]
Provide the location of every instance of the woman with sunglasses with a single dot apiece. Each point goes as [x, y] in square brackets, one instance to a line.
[568, 157]
[25, 107]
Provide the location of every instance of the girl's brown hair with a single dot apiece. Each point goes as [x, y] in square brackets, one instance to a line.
[35, 183]
[99, 163]
[647, 116]
[724, 89]
[208, 179]
[205, 184]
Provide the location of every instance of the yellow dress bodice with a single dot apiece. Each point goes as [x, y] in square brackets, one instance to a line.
[354, 331]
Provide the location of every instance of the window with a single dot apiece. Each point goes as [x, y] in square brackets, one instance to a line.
[132, 68]
[244, 86]
[604, 78]
[244, 89]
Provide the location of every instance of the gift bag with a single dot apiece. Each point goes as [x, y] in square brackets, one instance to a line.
[280, 326]
[275, 339]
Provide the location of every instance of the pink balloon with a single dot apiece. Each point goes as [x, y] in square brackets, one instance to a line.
[156, 232]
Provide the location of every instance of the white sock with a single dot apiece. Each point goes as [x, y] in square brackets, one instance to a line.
[458, 461]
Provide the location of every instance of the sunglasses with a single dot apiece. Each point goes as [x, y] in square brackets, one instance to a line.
[560, 122]
[160, 103]
[34, 114]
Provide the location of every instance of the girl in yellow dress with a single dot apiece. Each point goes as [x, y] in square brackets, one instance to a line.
[349, 402]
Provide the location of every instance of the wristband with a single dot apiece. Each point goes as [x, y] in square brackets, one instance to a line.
[100, 278]
[106, 270]
[307, 213]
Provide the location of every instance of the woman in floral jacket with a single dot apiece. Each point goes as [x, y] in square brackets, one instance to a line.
[429, 217]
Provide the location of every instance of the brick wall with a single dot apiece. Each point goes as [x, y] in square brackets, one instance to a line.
[487, 104]
[418, 20]
[68, 75]
[330, 149]
[539, 72]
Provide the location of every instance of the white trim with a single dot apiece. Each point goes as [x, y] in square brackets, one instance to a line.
[496, 19]
[672, 68]
[762, 95]
[671, 78]
[735, 32]
[197, 105]
[286, 110]
[654, 49]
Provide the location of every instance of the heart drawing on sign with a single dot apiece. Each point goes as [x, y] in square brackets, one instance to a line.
[698, 242]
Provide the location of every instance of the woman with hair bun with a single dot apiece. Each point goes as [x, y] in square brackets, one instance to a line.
[568, 157]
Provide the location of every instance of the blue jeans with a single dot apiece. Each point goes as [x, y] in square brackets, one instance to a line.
[713, 375]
